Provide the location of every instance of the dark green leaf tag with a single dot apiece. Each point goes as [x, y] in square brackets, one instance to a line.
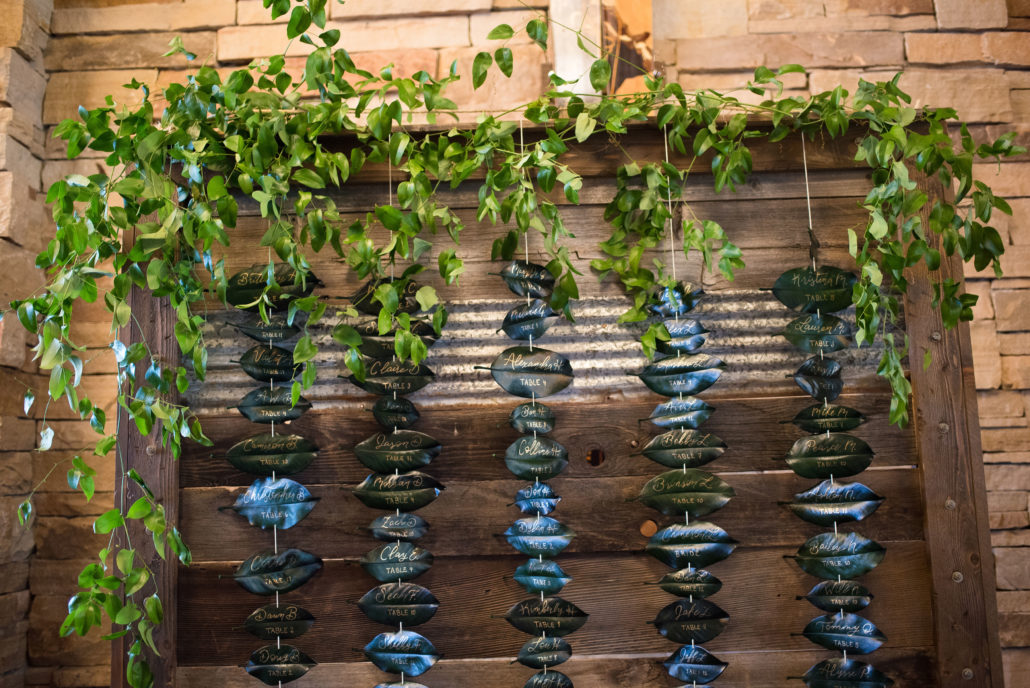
[845, 673]
[696, 621]
[404, 527]
[402, 652]
[672, 301]
[845, 632]
[271, 405]
[690, 582]
[693, 492]
[525, 373]
[848, 555]
[813, 333]
[530, 320]
[279, 621]
[275, 664]
[532, 417]
[396, 561]
[533, 458]
[538, 498]
[688, 412]
[281, 503]
[698, 544]
[393, 603]
[266, 454]
[541, 575]
[548, 679]
[551, 615]
[277, 329]
[677, 375]
[695, 665]
[269, 364]
[386, 376]
[842, 595]
[820, 378]
[678, 448]
[397, 451]
[828, 417]
[827, 289]
[545, 652]
[540, 536]
[407, 491]
[528, 279]
[835, 454]
[268, 573]
[835, 502]
[395, 413]
[686, 336]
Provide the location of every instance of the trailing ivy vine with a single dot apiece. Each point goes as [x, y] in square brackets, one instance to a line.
[159, 218]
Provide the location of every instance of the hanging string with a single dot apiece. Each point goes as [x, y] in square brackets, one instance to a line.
[389, 196]
[668, 201]
[813, 244]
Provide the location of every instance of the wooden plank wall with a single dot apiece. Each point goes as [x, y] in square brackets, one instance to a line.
[467, 413]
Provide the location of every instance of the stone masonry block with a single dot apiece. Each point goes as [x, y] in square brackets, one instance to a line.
[498, 92]
[353, 9]
[1015, 372]
[481, 23]
[68, 90]
[176, 16]
[986, 357]
[698, 19]
[1013, 568]
[16, 541]
[846, 49]
[971, 14]
[79, 53]
[943, 48]
[1011, 309]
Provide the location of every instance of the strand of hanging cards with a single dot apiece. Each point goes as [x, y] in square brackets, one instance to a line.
[273, 501]
[531, 372]
[397, 486]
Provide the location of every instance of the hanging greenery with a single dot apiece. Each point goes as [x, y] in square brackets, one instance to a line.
[159, 218]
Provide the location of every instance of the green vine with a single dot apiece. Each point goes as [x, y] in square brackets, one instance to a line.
[159, 219]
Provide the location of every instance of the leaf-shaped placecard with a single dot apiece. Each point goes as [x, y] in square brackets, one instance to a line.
[848, 555]
[393, 603]
[541, 575]
[686, 621]
[694, 492]
[277, 329]
[397, 451]
[695, 665]
[266, 454]
[279, 621]
[407, 491]
[822, 417]
[396, 413]
[526, 373]
[538, 498]
[281, 503]
[276, 664]
[245, 287]
[530, 320]
[678, 448]
[845, 673]
[271, 405]
[401, 684]
[675, 375]
[548, 679]
[820, 378]
[698, 544]
[826, 289]
[543, 652]
[402, 651]
[678, 300]
[836, 596]
[688, 412]
[269, 363]
[690, 582]
[396, 561]
[386, 376]
[686, 336]
[528, 279]
[268, 572]
[813, 333]
[830, 502]
[532, 417]
[380, 346]
[393, 527]
[363, 299]
[551, 615]
[531, 457]
[540, 536]
[835, 454]
[845, 632]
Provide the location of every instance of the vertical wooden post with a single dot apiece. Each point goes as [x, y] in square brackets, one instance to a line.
[957, 531]
[160, 471]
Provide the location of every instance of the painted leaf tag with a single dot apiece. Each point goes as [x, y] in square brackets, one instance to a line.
[277, 329]
[538, 498]
[540, 536]
[529, 320]
[698, 621]
[678, 448]
[845, 673]
[838, 454]
[402, 651]
[677, 375]
[550, 651]
[407, 491]
[376, 345]
[395, 413]
[688, 412]
[836, 596]
[532, 417]
[678, 300]
[271, 405]
[694, 664]
[531, 457]
[268, 573]
[266, 454]
[282, 503]
[393, 603]
[827, 289]
[552, 615]
[528, 279]
[693, 492]
[845, 632]
[386, 376]
[686, 336]
[269, 363]
[245, 287]
[690, 582]
[813, 333]
[279, 621]
[820, 379]
[526, 373]
[273, 664]
[549, 679]
[404, 527]
[848, 555]
[401, 684]
[395, 561]
[819, 418]
[401, 450]
[363, 299]
[830, 502]
[699, 544]
[541, 575]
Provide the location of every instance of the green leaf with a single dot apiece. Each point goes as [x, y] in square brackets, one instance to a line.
[426, 297]
[27, 401]
[154, 608]
[124, 559]
[108, 521]
[140, 508]
[500, 32]
[300, 20]
[504, 60]
[129, 613]
[305, 350]
[584, 126]
[308, 178]
[390, 217]
[480, 67]
[537, 30]
[600, 73]
[46, 438]
[216, 187]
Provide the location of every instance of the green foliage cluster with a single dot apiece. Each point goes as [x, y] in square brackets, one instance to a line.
[160, 219]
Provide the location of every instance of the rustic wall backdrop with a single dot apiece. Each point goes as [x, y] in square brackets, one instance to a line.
[974, 55]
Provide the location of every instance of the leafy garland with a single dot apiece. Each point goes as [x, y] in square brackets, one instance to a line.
[176, 181]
